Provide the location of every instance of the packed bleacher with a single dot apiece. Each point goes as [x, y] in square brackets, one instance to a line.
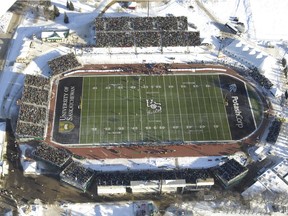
[35, 95]
[124, 178]
[274, 131]
[261, 79]
[28, 129]
[229, 171]
[144, 32]
[141, 23]
[54, 156]
[37, 81]
[63, 63]
[77, 175]
[33, 107]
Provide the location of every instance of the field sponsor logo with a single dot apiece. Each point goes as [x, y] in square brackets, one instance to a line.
[238, 113]
[233, 88]
[66, 118]
[65, 126]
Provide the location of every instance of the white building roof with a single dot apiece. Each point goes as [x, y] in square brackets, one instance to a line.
[282, 168]
[272, 182]
[254, 189]
[55, 33]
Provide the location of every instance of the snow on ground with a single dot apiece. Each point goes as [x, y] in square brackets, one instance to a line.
[264, 20]
[2, 136]
[90, 209]
[2, 141]
[4, 21]
[152, 163]
[29, 166]
[270, 19]
[5, 5]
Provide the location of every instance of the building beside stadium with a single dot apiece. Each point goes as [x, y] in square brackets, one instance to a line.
[230, 173]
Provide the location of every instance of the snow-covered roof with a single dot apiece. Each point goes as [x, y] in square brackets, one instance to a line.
[54, 33]
[282, 168]
[259, 150]
[273, 182]
[254, 189]
[276, 91]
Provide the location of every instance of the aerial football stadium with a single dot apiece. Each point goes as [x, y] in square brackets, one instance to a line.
[144, 109]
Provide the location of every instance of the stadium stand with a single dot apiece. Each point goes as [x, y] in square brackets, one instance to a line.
[274, 131]
[33, 107]
[77, 175]
[230, 173]
[144, 32]
[54, 156]
[37, 81]
[63, 63]
[152, 181]
[261, 79]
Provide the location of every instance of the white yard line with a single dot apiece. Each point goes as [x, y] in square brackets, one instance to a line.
[127, 109]
[199, 108]
[114, 94]
[179, 108]
[251, 108]
[205, 107]
[140, 100]
[225, 108]
[219, 109]
[194, 121]
[159, 101]
[121, 113]
[87, 122]
[167, 114]
[94, 100]
[213, 114]
[101, 109]
[185, 101]
[81, 105]
[134, 111]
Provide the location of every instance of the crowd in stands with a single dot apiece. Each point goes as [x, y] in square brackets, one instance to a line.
[28, 129]
[63, 63]
[37, 81]
[124, 178]
[229, 170]
[33, 107]
[147, 39]
[77, 175]
[141, 23]
[274, 131]
[35, 95]
[54, 156]
[33, 114]
[144, 32]
[261, 79]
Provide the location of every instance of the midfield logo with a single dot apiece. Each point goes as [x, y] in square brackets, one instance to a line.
[233, 88]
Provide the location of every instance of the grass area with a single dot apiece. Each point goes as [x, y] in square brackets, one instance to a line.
[117, 109]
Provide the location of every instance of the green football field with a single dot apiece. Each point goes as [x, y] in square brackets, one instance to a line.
[170, 108]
